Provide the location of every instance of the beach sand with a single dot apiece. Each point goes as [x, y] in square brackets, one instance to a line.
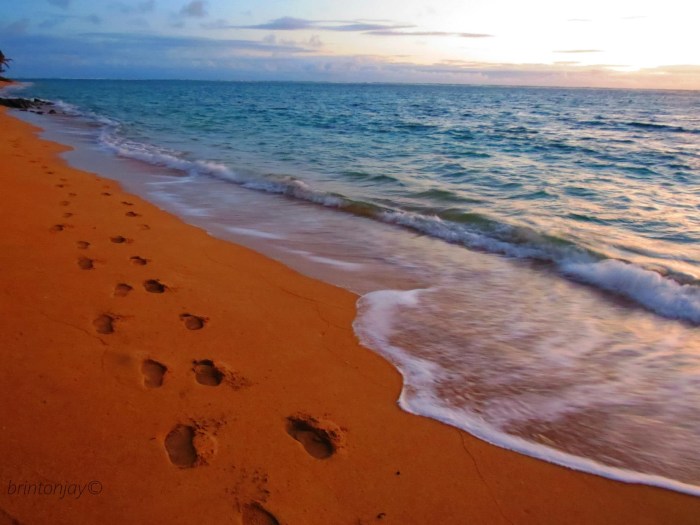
[176, 378]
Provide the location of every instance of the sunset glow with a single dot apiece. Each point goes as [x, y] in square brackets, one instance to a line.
[542, 42]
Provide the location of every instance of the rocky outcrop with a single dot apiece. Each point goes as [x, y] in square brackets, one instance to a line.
[35, 105]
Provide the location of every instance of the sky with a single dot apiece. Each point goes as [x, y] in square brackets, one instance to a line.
[584, 43]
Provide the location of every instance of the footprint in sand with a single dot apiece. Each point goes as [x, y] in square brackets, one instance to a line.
[321, 439]
[255, 514]
[86, 263]
[139, 261]
[64, 203]
[193, 322]
[189, 446]
[106, 194]
[58, 228]
[154, 286]
[72, 194]
[207, 373]
[104, 324]
[132, 214]
[144, 227]
[122, 290]
[153, 373]
[127, 203]
[118, 239]
[67, 215]
[82, 245]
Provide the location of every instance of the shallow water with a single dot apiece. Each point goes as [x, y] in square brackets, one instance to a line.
[558, 319]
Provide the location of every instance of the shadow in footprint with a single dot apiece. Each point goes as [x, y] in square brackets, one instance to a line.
[132, 214]
[64, 203]
[154, 286]
[118, 239]
[139, 261]
[179, 444]
[193, 322]
[122, 290]
[104, 324]
[255, 514]
[189, 446]
[83, 245]
[85, 263]
[207, 373]
[57, 228]
[153, 373]
[318, 439]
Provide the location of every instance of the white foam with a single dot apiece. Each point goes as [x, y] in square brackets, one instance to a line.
[374, 326]
[661, 295]
[254, 233]
[344, 265]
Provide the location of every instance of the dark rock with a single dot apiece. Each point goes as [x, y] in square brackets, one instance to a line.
[24, 104]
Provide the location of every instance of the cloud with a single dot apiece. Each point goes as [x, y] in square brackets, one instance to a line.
[60, 3]
[427, 33]
[577, 51]
[286, 23]
[18, 27]
[361, 27]
[370, 27]
[219, 23]
[94, 19]
[196, 9]
[313, 42]
[289, 23]
[151, 56]
[579, 20]
[138, 8]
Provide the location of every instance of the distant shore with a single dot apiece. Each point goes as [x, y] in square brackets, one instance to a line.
[154, 374]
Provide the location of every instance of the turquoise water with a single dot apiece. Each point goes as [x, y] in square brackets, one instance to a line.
[550, 301]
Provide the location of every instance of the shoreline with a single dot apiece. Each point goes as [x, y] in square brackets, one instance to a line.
[294, 383]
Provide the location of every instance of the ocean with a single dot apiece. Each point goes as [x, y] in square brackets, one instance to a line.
[528, 258]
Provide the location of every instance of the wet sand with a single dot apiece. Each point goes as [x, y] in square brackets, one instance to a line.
[176, 378]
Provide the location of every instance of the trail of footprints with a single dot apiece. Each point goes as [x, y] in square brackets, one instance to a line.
[193, 445]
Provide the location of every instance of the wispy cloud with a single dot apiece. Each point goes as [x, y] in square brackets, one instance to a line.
[286, 23]
[196, 9]
[579, 20]
[370, 27]
[427, 33]
[58, 20]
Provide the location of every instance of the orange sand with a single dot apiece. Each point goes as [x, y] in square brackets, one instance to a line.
[80, 404]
